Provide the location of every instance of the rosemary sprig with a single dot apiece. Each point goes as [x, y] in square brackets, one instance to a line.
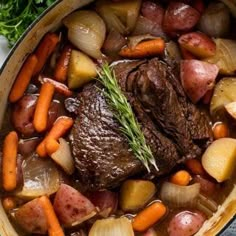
[125, 116]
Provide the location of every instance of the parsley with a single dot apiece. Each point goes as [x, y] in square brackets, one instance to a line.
[17, 15]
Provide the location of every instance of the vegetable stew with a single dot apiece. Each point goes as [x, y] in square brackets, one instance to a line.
[122, 122]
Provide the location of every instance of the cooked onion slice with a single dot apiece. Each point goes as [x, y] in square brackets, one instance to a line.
[111, 226]
[179, 196]
[63, 157]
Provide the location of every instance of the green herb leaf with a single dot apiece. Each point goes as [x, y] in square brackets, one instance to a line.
[125, 116]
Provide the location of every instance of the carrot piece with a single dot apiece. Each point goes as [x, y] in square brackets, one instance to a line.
[42, 107]
[186, 54]
[23, 78]
[51, 145]
[10, 146]
[61, 68]
[181, 177]
[149, 216]
[8, 203]
[44, 50]
[60, 127]
[195, 167]
[144, 49]
[220, 130]
[54, 228]
[59, 87]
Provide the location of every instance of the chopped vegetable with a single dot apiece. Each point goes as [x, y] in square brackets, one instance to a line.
[23, 78]
[40, 177]
[31, 217]
[124, 114]
[181, 177]
[42, 106]
[215, 20]
[135, 194]
[224, 57]
[60, 127]
[8, 203]
[186, 223]
[197, 77]
[195, 166]
[219, 159]
[111, 226]
[81, 70]
[121, 16]
[150, 232]
[51, 146]
[198, 44]
[54, 227]
[149, 216]
[179, 196]
[9, 170]
[147, 48]
[231, 109]
[71, 207]
[86, 30]
[63, 157]
[220, 130]
[224, 93]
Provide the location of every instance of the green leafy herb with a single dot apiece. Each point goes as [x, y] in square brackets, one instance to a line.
[17, 15]
[125, 116]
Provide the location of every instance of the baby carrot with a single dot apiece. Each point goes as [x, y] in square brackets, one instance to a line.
[61, 68]
[181, 177]
[42, 107]
[10, 145]
[220, 130]
[54, 228]
[195, 167]
[8, 203]
[60, 127]
[44, 50]
[149, 216]
[59, 87]
[51, 145]
[144, 49]
[23, 78]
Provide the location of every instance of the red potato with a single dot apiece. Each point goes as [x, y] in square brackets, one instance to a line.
[207, 187]
[71, 207]
[105, 200]
[31, 217]
[150, 232]
[186, 223]
[153, 12]
[197, 77]
[198, 44]
[179, 18]
[198, 5]
[207, 97]
[186, 54]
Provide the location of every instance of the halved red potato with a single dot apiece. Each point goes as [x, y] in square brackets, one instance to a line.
[197, 77]
[198, 44]
[179, 18]
[71, 207]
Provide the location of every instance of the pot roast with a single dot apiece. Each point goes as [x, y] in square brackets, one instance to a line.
[174, 128]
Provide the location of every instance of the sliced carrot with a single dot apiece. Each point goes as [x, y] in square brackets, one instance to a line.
[8, 203]
[186, 54]
[220, 130]
[60, 127]
[59, 87]
[44, 50]
[10, 146]
[181, 177]
[51, 146]
[149, 216]
[54, 228]
[144, 49]
[195, 167]
[23, 78]
[42, 107]
[61, 68]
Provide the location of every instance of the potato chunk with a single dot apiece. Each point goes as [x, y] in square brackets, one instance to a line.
[219, 159]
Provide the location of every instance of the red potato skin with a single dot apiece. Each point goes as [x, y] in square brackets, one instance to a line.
[153, 12]
[105, 200]
[179, 18]
[207, 187]
[150, 232]
[186, 223]
[31, 217]
[199, 44]
[71, 206]
[197, 77]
